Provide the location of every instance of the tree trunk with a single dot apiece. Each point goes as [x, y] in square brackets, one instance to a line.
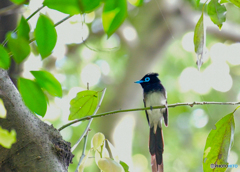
[39, 147]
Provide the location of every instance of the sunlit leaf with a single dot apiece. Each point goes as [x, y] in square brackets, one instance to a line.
[224, 1]
[23, 29]
[235, 2]
[197, 2]
[66, 6]
[3, 111]
[19, 2]
[218, 144]
[200, 40]
[83, 104]
[102, 153]
[7, 138]
[32, 96]
[4, 58]
[82, 165]
[97, 140]
[217, 12]
[48, 82]
[136, 2]
[125, 166]
[87, 6]
[19, 47]
[46, 35]
[109, 165]
[114, 13]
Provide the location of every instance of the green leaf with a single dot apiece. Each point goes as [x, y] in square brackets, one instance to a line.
[4, 58]
[73, 7]
[217, 12]
[7, 138]
[109, 165]
[65, 6]
[235, 2]
[87, 6]
[48, 82]
[83, 104]
[19, 47]
[97, 140]
[197, 2]
[32, 96]
[136, 2]
[23, 28]
[125, 166]
[114, 13]
[218, 144]
[224, 1]
[3, 111]
[19, 2]
[46, 35]
[200, 40]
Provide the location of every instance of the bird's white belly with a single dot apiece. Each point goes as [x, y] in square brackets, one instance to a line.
[155, 115]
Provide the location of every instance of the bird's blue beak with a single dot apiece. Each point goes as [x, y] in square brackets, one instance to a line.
[138, 82]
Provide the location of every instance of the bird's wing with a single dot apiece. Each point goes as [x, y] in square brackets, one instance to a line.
[144, 98]
[165, 112]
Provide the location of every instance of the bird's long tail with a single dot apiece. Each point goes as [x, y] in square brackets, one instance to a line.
[156, 149]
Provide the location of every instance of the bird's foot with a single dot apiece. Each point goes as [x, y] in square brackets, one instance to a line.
[151, 107]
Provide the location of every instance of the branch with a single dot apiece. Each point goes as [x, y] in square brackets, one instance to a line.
[83, 152]
[89, 123]
[141, 109]
[35, 12]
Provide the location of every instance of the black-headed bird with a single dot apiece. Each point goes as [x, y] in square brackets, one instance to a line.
[154, 94]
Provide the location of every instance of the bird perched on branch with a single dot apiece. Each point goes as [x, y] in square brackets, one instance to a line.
[154, 94]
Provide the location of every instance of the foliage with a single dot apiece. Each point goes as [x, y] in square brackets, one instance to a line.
[83, 104]
[219, 143]
[48, 82]
[7, 138]
[33, 96]
[106, 161]
[5, 59]
[113, 15]
[46, 36]
[32, 92]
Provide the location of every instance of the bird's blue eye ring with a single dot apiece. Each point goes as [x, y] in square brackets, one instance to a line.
[147, 79]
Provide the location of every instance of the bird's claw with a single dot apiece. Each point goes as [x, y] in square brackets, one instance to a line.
[151, 107]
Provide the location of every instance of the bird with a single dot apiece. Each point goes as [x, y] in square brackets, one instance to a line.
[154, 94]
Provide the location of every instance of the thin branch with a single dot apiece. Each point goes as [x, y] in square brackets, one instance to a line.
[141, 109]
[35, 12]
[89, 123]
[61, 21]
[83, 152]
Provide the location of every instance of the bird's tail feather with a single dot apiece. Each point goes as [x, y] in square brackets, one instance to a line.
[156, 149]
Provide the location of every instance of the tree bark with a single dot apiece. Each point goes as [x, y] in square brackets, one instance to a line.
[39, 147]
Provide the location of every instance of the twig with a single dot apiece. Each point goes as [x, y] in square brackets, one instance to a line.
[83, 151]
[35, 12]
[89, 123]
[61, 21]
[141, 109]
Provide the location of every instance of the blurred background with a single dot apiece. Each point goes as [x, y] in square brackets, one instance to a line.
[157, 37]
